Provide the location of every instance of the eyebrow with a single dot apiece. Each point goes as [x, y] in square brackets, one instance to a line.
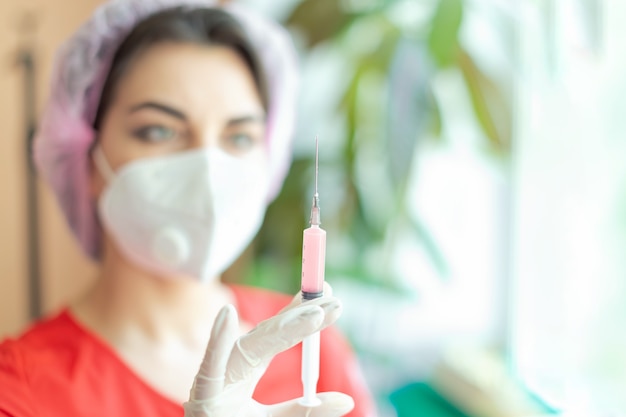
[247, 119]
[160, 107]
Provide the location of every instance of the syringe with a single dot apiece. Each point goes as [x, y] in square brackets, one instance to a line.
[313, 261]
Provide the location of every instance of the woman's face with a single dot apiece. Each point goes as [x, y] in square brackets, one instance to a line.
[178, 96]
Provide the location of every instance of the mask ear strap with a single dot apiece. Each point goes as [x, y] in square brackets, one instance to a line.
[102, 164]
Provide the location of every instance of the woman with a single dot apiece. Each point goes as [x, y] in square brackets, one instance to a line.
[165, 137]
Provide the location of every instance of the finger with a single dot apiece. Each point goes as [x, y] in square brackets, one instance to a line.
[332, 309]
[297, 299]
[333, 404]
[328, 289]
[209, 381]
[253, 351]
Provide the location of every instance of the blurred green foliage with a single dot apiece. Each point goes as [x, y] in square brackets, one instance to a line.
[389, 107]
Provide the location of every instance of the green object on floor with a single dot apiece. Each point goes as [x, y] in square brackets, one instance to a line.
[420, 400]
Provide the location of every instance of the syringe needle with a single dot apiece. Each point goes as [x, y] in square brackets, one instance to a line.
[317, 154]
[315, 207]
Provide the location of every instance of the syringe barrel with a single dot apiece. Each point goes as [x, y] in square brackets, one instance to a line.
[313, 261]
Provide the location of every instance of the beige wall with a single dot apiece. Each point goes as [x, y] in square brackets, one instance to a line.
[65, 271]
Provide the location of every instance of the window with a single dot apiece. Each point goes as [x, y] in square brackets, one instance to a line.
[569, 237]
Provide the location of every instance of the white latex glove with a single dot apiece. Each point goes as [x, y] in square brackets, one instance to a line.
[233, 366]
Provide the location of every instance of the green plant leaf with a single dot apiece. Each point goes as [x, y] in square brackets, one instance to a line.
[437, 123]
[443, 37]
[492, 109]
[354, 210]
[320, 20]
[411, 108]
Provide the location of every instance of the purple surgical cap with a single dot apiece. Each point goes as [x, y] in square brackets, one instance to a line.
[65, 133]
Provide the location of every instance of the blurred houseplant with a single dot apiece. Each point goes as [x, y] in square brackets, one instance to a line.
[388, 106]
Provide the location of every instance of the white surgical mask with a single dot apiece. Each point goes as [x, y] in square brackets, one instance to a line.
[190, 213]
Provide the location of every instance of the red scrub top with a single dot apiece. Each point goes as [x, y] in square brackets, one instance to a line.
[59, 368]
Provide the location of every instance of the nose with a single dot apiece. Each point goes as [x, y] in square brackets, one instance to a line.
[208, 136]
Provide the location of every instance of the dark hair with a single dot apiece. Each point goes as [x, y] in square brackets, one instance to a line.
[204, 26]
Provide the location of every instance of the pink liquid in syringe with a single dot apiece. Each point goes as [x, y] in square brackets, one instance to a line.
[313, 260]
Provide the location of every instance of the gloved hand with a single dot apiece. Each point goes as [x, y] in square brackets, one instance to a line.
[233, 365]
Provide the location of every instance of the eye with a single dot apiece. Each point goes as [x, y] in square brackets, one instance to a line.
[241, 141]
[156, 133]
